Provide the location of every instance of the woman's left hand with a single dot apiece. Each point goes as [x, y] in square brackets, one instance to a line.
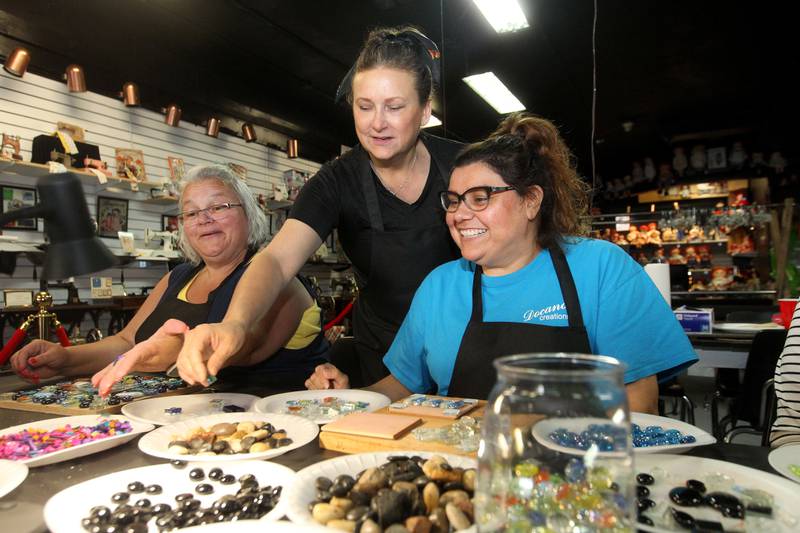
[155, 354]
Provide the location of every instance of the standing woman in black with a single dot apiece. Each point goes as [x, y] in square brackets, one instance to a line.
[383, 198]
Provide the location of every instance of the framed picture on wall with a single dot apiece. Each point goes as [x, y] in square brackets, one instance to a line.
[112, 216]
[177, 169]
[130, 164]
[169, 222]
[16, 198]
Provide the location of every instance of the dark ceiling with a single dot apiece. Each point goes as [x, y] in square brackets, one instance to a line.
[671, 67]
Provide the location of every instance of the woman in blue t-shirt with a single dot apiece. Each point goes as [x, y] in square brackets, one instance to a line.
[526, 281]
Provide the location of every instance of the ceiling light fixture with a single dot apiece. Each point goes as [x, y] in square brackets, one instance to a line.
[504, 15]
[433, 121]
[172, 115]
[212, 128]
[17, 62]
[130, 94]
[249, 133]
[76, 81]
[292, 148]
[490, 88]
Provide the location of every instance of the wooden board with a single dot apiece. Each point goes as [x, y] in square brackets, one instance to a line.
[378, 425]
[61, 410]
[341, 442]
[402, 408]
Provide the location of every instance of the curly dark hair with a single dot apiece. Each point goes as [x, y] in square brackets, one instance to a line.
[527, 150]
[399, 48]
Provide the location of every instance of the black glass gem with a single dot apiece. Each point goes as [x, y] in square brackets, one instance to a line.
[204, 488]
[136, 486]
[196, 474]
[685, 497]
[759, 509]
[184, 496]
[645, 479]
[707, 525]
[153, 489]
[227, 479]
[694, 484]
[645, 520]
[177, 463]
[643, 504]
[685, 520]
[143, 502]
[215, 473]
[642, 491]
[726, 504]
[120, 497]
[161, 508]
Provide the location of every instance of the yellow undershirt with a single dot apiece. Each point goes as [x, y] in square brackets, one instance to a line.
[306, 331]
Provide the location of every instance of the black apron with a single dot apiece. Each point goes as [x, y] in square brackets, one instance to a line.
[392, 282]
[474, 374]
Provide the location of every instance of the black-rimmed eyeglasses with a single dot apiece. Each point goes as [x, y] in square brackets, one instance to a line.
[476, 198]
[213, 211]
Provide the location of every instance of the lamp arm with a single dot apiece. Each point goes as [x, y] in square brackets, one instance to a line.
[35, 211]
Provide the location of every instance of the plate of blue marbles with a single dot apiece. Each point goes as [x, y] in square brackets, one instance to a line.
[649, 433]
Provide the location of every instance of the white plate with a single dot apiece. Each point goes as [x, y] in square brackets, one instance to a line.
[151, 410]
[673, 470]
[303, 490]
[745, 327]
[542, 430]
[12, 473]
[255, 526]
[277, 403]
[82, 449]
[63, 512]
[300, 430]
[781, 458]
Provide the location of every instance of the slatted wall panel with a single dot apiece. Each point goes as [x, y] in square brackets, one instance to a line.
[32, 106]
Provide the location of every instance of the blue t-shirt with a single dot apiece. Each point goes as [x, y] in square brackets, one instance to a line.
[624, 314]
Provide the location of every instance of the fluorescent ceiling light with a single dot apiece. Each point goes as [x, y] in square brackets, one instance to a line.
[433, 122]
[491, 89]
[504, 15]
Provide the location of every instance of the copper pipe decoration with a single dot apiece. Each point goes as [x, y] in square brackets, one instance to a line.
[292, 148]
[76, 81]
[17, 62]
[212, 128]
[130, 94]
[173, 115]
[249, 133]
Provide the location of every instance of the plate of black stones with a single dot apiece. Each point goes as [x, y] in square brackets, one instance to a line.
[679, 493]
[171, 496]
[371, 492]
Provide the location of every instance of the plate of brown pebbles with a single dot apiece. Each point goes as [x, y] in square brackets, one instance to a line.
[372, 492]
[229, 437]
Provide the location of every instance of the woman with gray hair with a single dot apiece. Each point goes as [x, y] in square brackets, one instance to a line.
[220, 228]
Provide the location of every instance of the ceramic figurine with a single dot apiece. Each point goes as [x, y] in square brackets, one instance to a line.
[721, 278]
[642, 259]
[653, 235]
[705, 256]
[691, 257]
[649, 169]
[679, 161]
[777, 162]
[676, 257]
[668, 234]
[659, 256]
[664, 177]
[696, 233]
[698, 158]
[738, 156]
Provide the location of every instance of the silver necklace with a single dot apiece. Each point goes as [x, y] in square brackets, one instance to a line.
[402, 187]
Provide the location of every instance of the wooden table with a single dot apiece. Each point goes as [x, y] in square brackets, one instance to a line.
[21, 511]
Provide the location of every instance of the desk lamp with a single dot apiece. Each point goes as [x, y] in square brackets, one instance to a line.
[73, 250]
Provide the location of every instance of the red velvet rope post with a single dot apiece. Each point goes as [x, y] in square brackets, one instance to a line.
[340, 316]
[11, 347]
[61, 333]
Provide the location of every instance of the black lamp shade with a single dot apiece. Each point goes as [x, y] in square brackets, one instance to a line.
[74, 249]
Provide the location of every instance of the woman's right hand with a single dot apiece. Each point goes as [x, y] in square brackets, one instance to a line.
[39, 360]
[207, 347]
[327, 376]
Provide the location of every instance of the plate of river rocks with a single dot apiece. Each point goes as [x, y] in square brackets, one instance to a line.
[229, 437]
[385, 491]
[171, 496]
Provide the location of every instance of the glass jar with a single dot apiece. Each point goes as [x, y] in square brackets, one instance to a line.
[556, 452]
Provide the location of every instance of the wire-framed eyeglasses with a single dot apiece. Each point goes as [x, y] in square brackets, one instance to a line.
[476, 198]
[214, 212]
